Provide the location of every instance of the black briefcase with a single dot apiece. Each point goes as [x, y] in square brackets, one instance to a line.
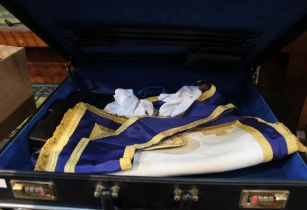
[154, 45]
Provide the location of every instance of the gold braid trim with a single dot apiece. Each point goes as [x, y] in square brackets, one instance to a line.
[105, 129]
[301, 147]
[49, 153]
[204, 96]
[264, 144]
[48, 156]
[100, 131]
[125, 161]
[76, 154]
[207, 94]
[105, 114]
[293, 143]
[124, 126]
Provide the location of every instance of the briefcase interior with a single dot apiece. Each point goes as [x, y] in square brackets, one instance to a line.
[147, 45]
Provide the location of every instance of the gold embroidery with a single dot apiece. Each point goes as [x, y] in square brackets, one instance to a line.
[218, 130]
[129, 152]
[175, 141]
[125, 161]
[264, 144]
[293, 143]
[207, 94]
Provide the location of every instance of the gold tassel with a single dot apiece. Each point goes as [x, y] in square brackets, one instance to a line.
[301, 147]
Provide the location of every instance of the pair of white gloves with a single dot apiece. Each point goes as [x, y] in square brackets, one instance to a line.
[128, 105]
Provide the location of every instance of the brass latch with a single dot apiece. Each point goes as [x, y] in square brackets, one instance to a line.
[185, 198]
[264, 199]
[107, 196]
[178, 194]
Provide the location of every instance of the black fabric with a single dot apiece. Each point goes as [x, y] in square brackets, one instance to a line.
[46, 126]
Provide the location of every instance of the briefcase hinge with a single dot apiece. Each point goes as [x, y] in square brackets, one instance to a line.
[107, 196]
[100, 188]
[178, 193]
[256, 74]
[69, 67]
[186, 198]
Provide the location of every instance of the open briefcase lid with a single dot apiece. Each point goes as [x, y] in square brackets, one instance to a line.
[93, 31]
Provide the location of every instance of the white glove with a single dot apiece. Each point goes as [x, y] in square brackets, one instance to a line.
[177, 103]
[128, 105]
[144, 107]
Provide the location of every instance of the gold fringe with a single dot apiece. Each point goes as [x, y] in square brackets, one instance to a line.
[68, 121]
[301, 147]
[293, 143]
[50, 151]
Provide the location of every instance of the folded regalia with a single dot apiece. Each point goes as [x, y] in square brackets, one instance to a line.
[209, 136]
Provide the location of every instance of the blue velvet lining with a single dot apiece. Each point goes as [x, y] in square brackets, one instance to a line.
[271, 18]
[236, 88]
[234, 84]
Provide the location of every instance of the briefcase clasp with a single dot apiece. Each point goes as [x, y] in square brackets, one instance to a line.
[264, 199]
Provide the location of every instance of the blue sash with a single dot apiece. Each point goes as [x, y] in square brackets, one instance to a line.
[89, 140]
[82, 121]
[114, 150]
[114, 153]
